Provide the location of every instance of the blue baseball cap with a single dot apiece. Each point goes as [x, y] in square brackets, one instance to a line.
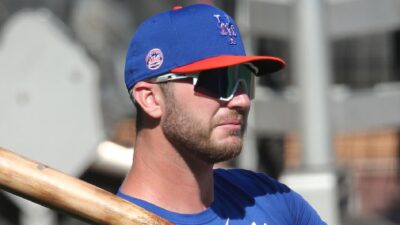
[186, 40]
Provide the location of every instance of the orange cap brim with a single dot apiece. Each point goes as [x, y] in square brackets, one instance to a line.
[265, 64]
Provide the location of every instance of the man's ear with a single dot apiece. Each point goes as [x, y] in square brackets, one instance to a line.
[148, 96]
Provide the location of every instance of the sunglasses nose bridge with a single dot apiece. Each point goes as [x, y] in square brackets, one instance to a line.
[242, 88]
[240, 98]
[239, 88]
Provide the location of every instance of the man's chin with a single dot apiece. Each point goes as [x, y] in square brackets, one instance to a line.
[230, 142]
[224, 133]
[223, 150]
[217, 158]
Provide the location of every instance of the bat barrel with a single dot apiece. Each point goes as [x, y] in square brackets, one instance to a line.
[54, 189]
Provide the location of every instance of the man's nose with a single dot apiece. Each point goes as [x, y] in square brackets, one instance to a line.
[240, 100]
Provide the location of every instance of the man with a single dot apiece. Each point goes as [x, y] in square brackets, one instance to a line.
[191, 81]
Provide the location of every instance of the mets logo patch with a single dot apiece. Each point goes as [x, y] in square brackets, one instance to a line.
[226, 27]
[154, 59]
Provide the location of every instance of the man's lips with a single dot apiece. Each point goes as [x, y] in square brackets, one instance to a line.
[230, 122]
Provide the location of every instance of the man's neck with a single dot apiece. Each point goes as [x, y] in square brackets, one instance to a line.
[161, 176]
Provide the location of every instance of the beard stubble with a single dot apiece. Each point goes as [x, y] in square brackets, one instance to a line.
[192, 137]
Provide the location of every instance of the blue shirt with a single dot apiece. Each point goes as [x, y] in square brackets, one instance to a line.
[243, 197]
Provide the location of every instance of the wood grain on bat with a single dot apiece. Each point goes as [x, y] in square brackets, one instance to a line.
[57, 190]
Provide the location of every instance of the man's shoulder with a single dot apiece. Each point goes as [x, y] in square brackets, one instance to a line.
[261, 194]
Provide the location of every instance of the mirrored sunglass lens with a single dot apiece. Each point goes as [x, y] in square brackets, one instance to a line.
[248, 76]
[243, 76]
[212, 82]
[223, 82]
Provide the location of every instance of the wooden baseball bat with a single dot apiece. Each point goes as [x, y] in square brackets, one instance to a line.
[56, 190]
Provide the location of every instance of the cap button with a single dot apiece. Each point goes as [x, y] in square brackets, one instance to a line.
[178, 7]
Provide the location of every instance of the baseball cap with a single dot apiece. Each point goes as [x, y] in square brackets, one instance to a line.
[186, 40]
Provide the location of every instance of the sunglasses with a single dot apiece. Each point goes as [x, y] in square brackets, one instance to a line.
[221, 83]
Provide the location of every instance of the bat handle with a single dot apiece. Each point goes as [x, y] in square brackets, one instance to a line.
[56, 190]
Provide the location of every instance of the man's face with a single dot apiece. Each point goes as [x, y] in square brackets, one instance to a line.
[204, 127]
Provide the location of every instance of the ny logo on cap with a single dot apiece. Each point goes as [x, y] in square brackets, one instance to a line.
[226, 28]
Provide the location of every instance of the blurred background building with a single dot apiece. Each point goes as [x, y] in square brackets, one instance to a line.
[63, 99]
